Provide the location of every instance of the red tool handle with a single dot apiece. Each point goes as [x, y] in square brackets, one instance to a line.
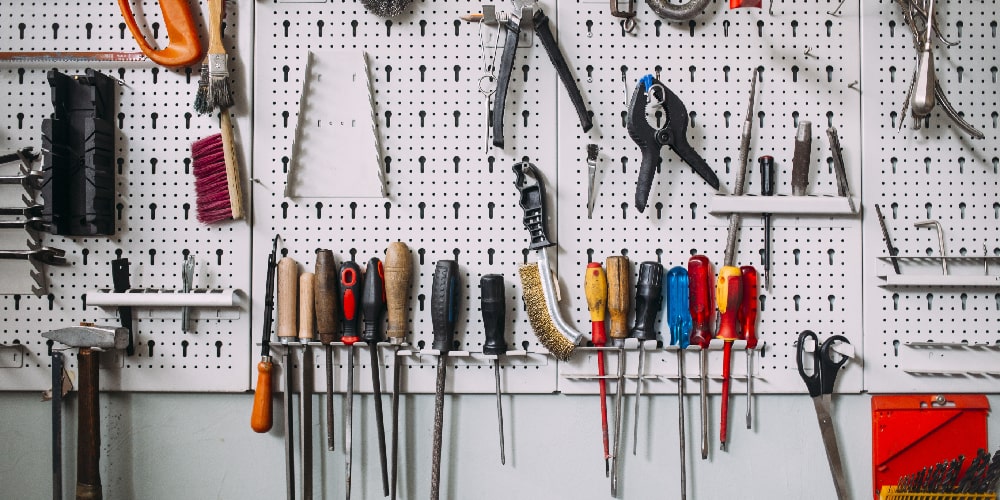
[700, 299]
[350, 301]
[729, 292]
[748, 306]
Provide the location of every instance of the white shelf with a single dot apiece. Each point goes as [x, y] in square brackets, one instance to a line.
[781, 204]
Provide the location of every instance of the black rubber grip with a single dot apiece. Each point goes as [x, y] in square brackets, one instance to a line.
[766, 175]
[373, 302]
[532, 200]
[444, 304]
[650, 157]
[558, 60]
[351, 287]
[494, 313]
[648, 299]
[503, 80]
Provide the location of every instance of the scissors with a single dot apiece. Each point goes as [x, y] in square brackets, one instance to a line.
[820, 383]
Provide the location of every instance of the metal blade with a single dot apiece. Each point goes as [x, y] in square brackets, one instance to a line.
[823, 405]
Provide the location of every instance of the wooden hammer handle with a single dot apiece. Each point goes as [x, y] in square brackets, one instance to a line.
[88, 448]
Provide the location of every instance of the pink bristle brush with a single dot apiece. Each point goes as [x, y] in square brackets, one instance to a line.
[216, 176]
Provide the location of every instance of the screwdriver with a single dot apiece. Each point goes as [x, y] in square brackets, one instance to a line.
[618, 291]
[350, 295]
[728, 293]
[767, 189]
[700, 299]
[648, 301]
[444, 310]
[679, 321]
[288, 296]
[494, 316]
[261, 418]
[327, 324]
[595, 287]
[306, 333]
[748, 328]
[398, 274]
[373, 309]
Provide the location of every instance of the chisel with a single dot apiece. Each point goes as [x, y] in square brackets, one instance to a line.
[728, 294]
[327, 297]
[595, 287]
[493, 306]
[306, 334]
[618, 292]
[288, 295]
[648, 301]
[802, 158]
[748, 328]
[444, 312]
[373, 309]
[261, 418]
[700, 300]
[350, 298]
[398, 274]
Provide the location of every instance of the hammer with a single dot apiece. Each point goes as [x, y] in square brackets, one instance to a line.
[91, 340]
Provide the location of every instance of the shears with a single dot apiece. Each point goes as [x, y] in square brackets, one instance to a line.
[820, 383]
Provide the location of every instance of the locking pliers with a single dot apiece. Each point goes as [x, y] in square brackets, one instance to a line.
[650, 92]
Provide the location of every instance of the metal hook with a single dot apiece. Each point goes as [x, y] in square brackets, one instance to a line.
[836, 12]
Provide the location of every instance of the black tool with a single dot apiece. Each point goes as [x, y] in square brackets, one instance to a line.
[650, 92]
[766, 189]
[494, 318]
[820, 384]
[556, 57]
[120, 279]
[261, 416]
[373, 308]
[893, 251]
[648, 302]
[57, 374]
[350, 301]
[444, 312]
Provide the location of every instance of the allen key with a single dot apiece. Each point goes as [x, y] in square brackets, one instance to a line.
[940, 234]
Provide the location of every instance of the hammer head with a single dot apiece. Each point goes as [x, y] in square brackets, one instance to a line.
[103, 337]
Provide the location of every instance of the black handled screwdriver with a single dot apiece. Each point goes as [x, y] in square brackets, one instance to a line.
[766, 189]
[350, 298]
[494, 318]
[444, 312]
[373, 308]
[648, 300]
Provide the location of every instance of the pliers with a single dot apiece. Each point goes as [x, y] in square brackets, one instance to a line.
[650, 92]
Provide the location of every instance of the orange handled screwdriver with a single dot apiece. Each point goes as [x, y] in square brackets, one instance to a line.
[595, 287]
[729, 294]
[261, 418]
[700, 276]
[748, 328]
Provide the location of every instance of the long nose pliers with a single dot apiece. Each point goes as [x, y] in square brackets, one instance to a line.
[651, 93]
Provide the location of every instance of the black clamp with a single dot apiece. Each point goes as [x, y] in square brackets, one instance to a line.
[672, 133]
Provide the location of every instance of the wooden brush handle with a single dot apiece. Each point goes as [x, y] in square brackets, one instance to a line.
[288, 294]
[398, 268]
[215, 27]
[232, 164]
[619, 276]
[307, 317]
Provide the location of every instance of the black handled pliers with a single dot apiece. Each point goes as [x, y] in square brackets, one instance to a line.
[651, 92]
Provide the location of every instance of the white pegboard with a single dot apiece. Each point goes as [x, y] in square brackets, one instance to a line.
[156, 226]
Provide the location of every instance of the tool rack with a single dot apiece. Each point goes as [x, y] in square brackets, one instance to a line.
[448, 198]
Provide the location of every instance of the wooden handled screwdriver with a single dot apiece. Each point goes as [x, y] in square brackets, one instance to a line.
[307, 331]
[595, 287]
[729, 294]
[398, 276]
[327, 299]
[619, 273]
[261, 418]
[373, 309]
[288, 296]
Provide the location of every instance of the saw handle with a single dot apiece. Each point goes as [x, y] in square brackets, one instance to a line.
[184, 48]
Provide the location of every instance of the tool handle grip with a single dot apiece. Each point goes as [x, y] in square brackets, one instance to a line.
[648, 300]
[678, 310]
[700, 299]
[350, 301]
[494, 308]
[398, 275]
[551, 46]
[327, 297]
[595, 286]
[444, 304]
[766, 175]
[184, 48]
[503, 79]
[88, 451]
[261, 417]
[696, 162]
[729, 294]
[618, 295]
[307, 316]
[215, 27]
[650, 157]
[748, 306]
[531, 188]
[288, 296]
[373, 302]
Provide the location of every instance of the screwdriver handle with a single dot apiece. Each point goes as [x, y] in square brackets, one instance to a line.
[307, 316]
[748, 306]
[494, 313]
[700, 299]
[618, 292]
[595, 287]
[444, 304]
[373, 302]
[288, 296]
[766, 175]
[261, 418]
[398, 275]
[729, 293]
[327, 297]
[648, 300]
[678, 311]
[350, 297]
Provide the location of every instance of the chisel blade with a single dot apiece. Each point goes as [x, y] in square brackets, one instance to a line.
[801, 159]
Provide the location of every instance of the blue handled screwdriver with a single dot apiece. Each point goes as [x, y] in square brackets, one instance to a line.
[679, 321]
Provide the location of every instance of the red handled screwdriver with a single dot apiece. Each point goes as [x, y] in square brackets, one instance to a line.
[350, 302]
[595, 287]
[700, 276]
[748, 328]
[729, 294]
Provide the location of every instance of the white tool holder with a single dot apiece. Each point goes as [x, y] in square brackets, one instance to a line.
[451, 198]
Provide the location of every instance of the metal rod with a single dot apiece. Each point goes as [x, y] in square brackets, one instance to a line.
[289, 429]
[635, 405]
[349, 416]
[616, 459]
[305, 422]
[496, 377]
[438, 428]
[396, 375]
[680, 422]
[377, 396]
